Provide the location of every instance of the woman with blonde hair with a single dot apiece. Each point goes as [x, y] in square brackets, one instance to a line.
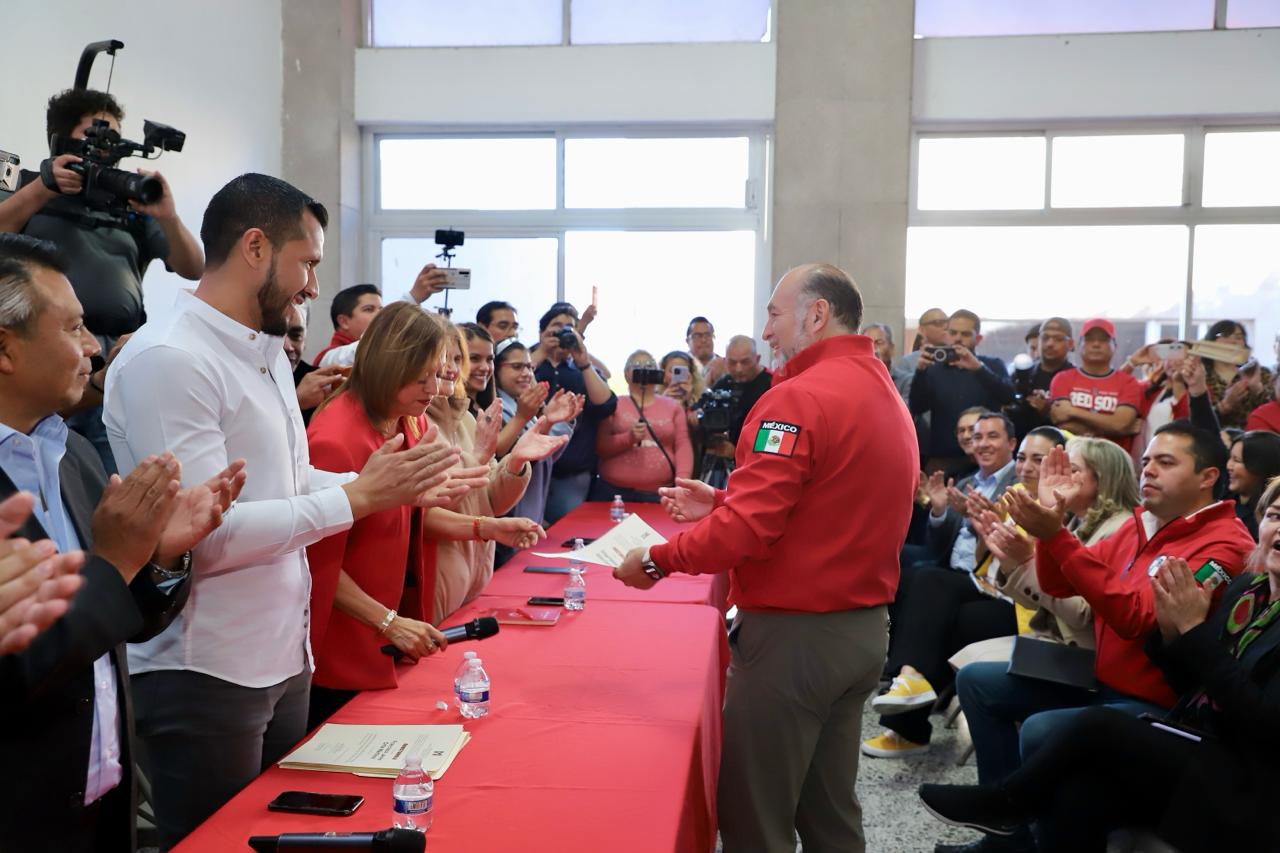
[374, 583]
[464, 566]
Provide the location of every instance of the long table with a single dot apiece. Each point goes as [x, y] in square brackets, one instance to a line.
[592, 520]
[603, 734]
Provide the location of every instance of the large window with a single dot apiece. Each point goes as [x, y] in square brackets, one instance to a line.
[449, 23]
[1162, 231]
[944, 18]
[659, 227]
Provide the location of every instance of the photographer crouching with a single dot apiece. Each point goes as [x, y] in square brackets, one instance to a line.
[723, 408]
[109, 224]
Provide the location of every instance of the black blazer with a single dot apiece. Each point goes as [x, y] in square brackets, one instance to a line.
[46, 692]
[1224, 800]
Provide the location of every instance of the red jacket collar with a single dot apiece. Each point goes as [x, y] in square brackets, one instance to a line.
[340, 339]
[841, 346]
[1220, 511]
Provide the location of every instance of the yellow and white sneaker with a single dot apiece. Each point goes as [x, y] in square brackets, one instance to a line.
[892, 745]
[907, 693]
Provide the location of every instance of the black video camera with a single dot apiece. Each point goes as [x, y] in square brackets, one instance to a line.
[105, 186]
[647, 376]
[716, 409]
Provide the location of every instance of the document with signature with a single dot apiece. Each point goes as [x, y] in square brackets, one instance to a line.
[610, 549]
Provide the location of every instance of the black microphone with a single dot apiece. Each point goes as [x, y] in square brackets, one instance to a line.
[385, 841]
[476, 629]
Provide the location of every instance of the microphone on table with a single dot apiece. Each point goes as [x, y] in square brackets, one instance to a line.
[476, 629]
[385, 841]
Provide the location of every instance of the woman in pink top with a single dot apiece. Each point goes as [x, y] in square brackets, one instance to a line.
[645, 443]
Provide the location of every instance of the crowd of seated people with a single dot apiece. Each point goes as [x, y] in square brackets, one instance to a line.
[1112, 509]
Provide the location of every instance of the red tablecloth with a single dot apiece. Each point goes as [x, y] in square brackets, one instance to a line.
[592, 520]
[604, 735]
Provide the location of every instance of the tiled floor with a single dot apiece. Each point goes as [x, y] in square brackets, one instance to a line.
[892, 817]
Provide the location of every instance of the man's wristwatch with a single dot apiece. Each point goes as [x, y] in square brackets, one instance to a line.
[167, 579]
[650, 567]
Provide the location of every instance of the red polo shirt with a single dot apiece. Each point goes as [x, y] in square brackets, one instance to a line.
[818, 507]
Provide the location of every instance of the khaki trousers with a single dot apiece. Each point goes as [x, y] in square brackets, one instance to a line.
[793, 727]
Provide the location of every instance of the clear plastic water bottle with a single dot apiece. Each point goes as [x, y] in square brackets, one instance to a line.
[411, 796]
[618, 511]
[472, 688]
[575, 590]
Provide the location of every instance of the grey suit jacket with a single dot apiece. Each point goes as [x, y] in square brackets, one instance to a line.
[942, 537]
[47, 691]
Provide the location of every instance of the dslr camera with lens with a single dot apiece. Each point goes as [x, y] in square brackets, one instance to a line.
[941, 355]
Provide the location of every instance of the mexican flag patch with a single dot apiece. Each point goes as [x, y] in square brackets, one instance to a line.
[776, 437]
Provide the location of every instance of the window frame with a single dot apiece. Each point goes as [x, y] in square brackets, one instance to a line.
[1191, 213]
[566, 22]
[378, 224]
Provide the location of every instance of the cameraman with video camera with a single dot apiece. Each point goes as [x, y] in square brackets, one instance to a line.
[723, 409]
[109, 224]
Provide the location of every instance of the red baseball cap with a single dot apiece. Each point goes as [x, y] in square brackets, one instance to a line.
[1098, 323]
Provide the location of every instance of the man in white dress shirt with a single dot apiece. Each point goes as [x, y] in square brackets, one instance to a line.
[222, 693]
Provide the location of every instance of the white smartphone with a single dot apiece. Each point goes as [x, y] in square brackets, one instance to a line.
[679, 373]
[459, 279]
[1167, 351]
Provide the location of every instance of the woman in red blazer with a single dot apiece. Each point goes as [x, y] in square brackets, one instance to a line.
[373, 585]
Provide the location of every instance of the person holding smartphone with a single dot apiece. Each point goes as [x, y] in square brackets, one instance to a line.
[1201, 777]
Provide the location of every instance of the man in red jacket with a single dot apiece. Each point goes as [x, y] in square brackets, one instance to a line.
[809, 530]
[1178, 518]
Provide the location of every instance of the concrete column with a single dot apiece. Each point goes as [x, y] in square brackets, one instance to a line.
[843, 133]
[321, 143]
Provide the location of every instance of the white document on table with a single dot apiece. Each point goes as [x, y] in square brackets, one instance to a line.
[611, 548]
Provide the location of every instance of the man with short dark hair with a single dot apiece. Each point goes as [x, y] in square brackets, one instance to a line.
[1010, 716]
[107, 252]
[949, 380]
[700, 338]
[572, 370]
[1055, 345]
[352, 310]
[1032, 340]
[808, 643]
[223, 692]
[314, 384]
[499, 320]
[1095, 399]
[64, 710]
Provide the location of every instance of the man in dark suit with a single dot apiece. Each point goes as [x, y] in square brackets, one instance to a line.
[65, 719]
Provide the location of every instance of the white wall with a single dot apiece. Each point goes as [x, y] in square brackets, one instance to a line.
[702, 83]
[211, 69]
[1233, 73]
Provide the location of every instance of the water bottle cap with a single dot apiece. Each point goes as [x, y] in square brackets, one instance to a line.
[578, 544]
[413, 762]
[469, 655]
[617, 497]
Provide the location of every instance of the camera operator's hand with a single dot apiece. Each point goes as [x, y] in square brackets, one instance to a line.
[68, 182]
[924, 362]
[581, 358]
[430, 281]
[163, 210]
[1038, 400]
[966, 360]
[688, 500]
[639, 432]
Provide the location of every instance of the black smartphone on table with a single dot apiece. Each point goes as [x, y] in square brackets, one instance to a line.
[546, 601]
[307, 802]
[547, 570]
